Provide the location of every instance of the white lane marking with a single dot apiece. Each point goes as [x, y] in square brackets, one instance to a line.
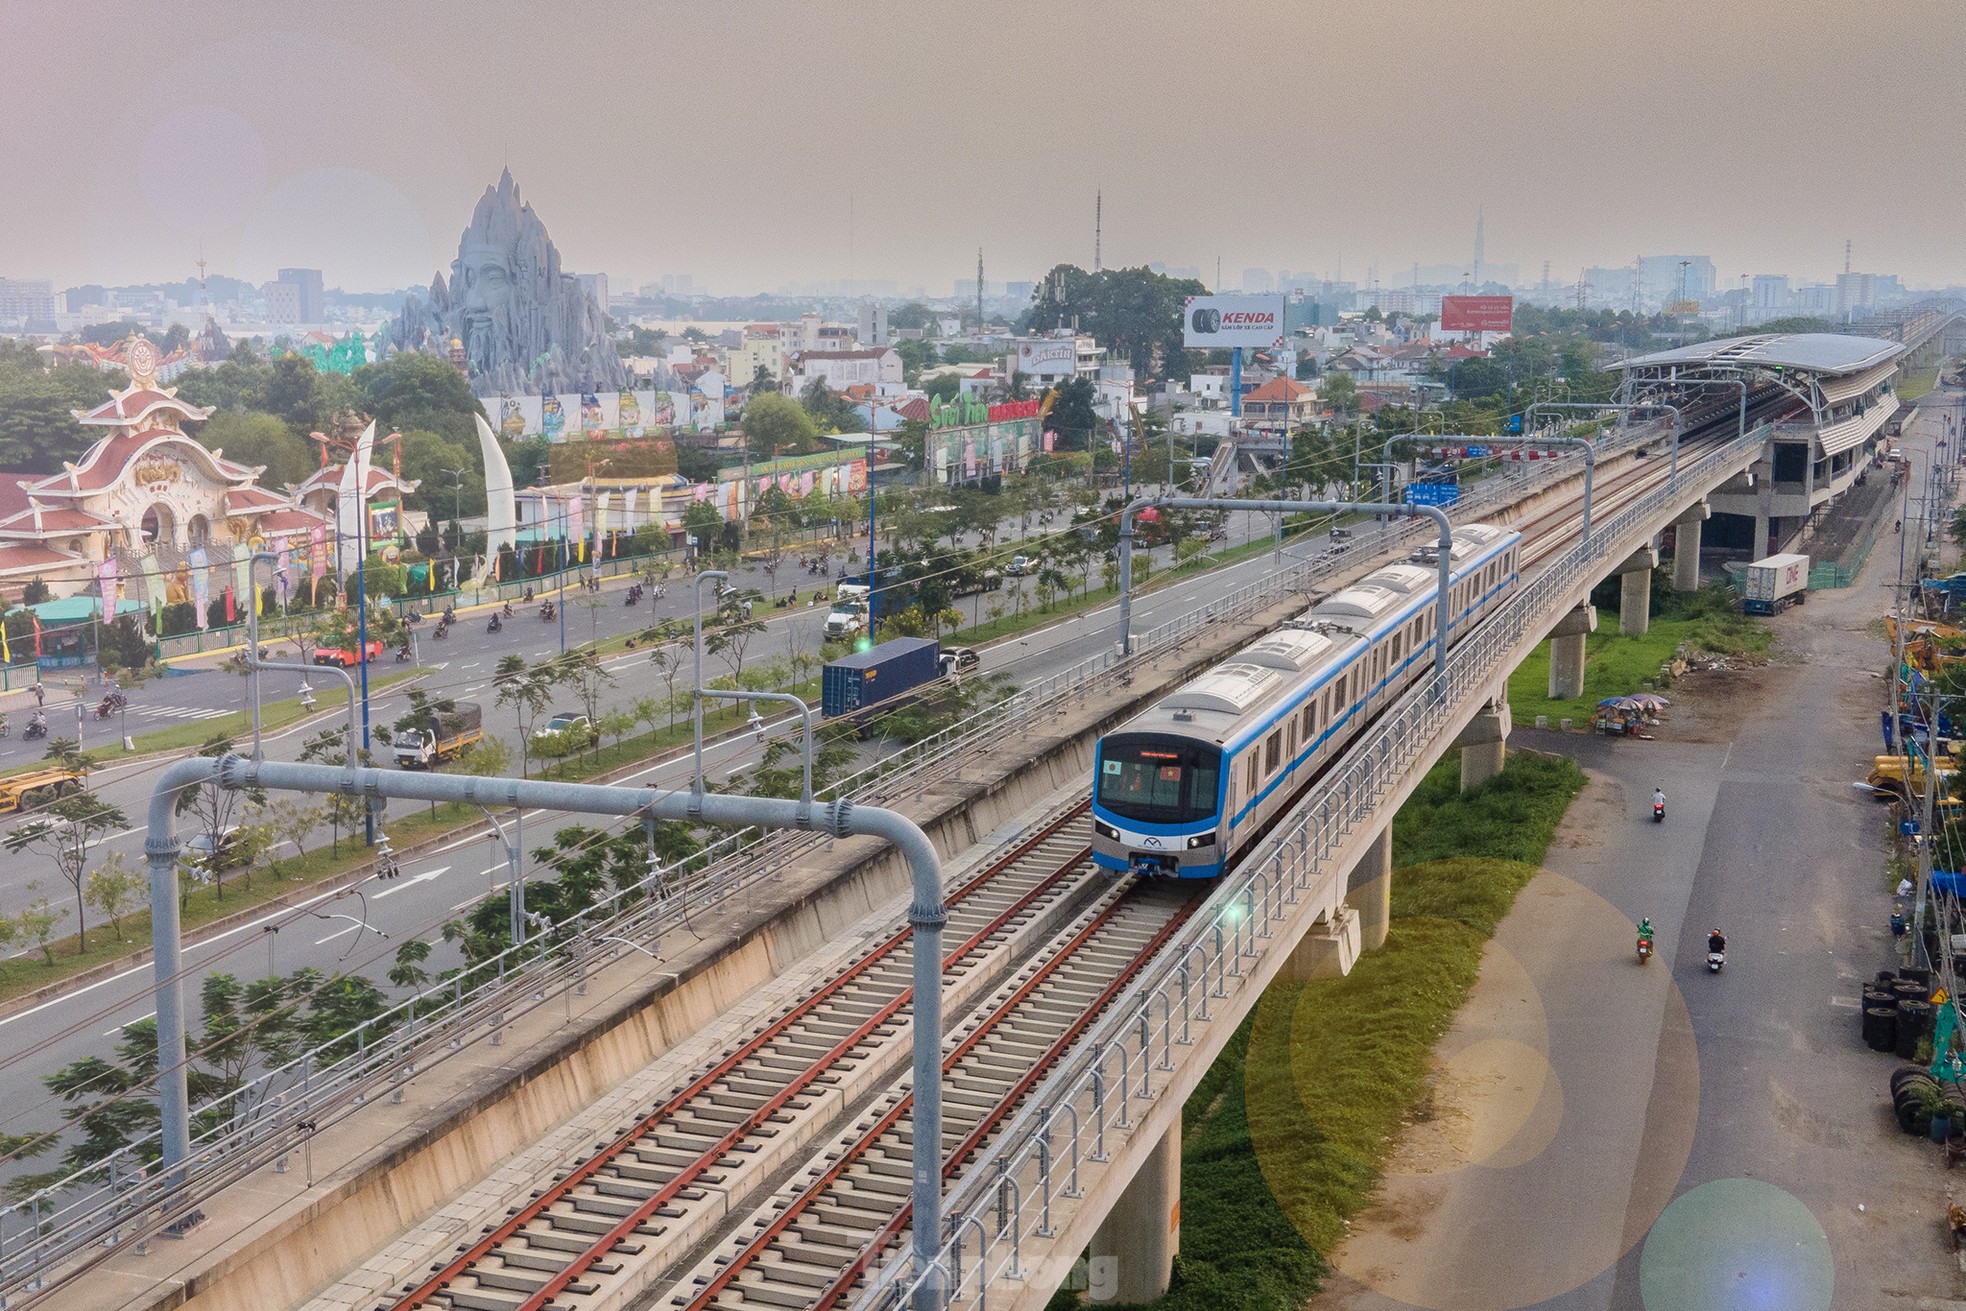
[111, 1033]
[424, 877]
[473, 665]
[145, 969]
[352, 928]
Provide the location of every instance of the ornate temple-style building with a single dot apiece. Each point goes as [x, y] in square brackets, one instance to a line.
[145, 497]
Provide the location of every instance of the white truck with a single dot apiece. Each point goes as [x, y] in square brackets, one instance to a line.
[1774, 584]
[438, 736]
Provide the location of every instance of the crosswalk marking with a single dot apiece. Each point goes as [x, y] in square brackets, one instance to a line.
[179, 712]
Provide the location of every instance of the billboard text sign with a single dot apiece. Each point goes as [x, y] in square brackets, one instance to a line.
[1222, 322]
[1477, 313]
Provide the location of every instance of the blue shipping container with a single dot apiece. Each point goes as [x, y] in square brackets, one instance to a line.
[878, 676]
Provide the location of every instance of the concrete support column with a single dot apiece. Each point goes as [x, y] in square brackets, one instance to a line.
[1567, 652]
[1686, 556]
[1369, 890]
[1484, 744]
[1635, 603]
[1635, 598]
[1133, 1250]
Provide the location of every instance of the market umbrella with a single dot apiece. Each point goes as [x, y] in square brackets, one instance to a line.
[1620, 703]
[1650, 700]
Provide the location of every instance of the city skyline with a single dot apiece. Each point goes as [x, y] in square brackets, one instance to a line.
[366, 167]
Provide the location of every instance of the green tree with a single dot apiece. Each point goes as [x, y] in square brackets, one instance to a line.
[426, 458]
[64, 832]
[525, 691]
[113, 887]
[215, 809]
[250, 437]
[1136, 313]
[414, 390]
[733, 633]
[775, 424]
[1072, 416]
[1339, 392]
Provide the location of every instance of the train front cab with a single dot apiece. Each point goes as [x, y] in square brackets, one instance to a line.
[1157, 806]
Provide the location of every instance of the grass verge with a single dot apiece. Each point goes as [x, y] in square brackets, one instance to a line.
[1916, 384]
[1285, 1135]
[1618, 666]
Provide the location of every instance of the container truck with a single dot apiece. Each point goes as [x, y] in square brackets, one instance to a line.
[1774, 584]
[439, 736]
[880, 675]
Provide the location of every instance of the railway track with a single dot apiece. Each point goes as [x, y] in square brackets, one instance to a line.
[812, 1244]
[662, 1183]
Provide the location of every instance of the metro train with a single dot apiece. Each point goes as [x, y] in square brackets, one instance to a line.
[1184, 787]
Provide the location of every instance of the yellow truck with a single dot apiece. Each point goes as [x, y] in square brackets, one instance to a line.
[39, 785]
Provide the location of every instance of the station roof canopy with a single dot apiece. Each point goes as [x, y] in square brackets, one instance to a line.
[1830, 354]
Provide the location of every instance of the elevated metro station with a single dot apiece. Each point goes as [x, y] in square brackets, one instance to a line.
[1836, 396]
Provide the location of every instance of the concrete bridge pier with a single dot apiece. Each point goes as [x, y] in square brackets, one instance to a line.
[1686, 546]
[1132, 1251]
[1567, 652]
[1635, 591]
[1484, 743]
[1369, 890]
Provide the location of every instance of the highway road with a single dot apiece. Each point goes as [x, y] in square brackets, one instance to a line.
[1644, 1137]
[346, 931]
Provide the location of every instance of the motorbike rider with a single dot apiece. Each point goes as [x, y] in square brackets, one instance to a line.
[1658, 798]
[1717, 943]
[1645, 928]
[507, 611]
[37, 722]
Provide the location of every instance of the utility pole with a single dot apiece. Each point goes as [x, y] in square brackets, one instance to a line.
[979, 329]
[1098, 222]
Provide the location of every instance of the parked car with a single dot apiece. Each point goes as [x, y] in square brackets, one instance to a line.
[1020, 565]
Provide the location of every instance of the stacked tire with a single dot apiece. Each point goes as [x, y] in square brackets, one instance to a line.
[1912, 1091]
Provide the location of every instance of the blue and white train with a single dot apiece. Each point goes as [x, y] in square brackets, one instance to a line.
[1181, 789]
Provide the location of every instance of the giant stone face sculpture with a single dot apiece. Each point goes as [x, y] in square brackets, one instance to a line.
[526, 326]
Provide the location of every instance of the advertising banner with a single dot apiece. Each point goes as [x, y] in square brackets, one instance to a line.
[1221, 322]
[572, 416]
[1048, 356]
[1477, 313]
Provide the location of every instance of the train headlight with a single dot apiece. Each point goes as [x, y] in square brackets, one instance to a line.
[1202, 840]
[1105, 830]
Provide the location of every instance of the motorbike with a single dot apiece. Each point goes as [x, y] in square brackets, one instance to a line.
[104, 708]
[442, 631]
[494, 626]
[1715, 959]
[547, 612]
[506, 612]
[1644, 950]
[4, 730]
[403, 654]
[1658, 812]
[36, 730]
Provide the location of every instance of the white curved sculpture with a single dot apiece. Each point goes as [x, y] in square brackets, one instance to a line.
[501, 510]
[351, 502]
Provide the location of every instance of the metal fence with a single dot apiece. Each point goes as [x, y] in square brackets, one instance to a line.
[1004, 1202]
[119, 1198]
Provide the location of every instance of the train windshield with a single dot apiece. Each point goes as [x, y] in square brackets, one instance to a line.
[1159, 780]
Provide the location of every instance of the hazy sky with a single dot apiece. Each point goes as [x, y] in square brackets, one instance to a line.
[723, 138]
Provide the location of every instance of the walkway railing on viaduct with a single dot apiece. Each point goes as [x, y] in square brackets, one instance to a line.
[1006, 1209]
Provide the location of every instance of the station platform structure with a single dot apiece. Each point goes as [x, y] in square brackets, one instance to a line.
[1835, 399]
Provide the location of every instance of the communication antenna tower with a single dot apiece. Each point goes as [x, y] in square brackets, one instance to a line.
[1846, 254]
[979, 291]
[1098, 223]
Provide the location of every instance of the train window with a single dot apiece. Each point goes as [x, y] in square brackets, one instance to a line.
[1272, 752]
[1250, 777]
[1399, 643]
[1309, 718]
[1158, 779]
[1290, 745]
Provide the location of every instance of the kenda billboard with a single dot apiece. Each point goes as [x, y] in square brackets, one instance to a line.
[1221, 322]
[1477, 313]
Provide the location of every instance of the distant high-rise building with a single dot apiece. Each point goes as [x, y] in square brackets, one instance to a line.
[678, 284]
[1019, 290]
[1256, 281]
[872, 327]
[22, 299]
[80, 298]
[282, 302]
[1769, 291]
[1664, 278]
[308, 295]
[1856, 294]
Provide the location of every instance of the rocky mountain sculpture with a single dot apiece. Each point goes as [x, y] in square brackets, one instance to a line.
[525, 325]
